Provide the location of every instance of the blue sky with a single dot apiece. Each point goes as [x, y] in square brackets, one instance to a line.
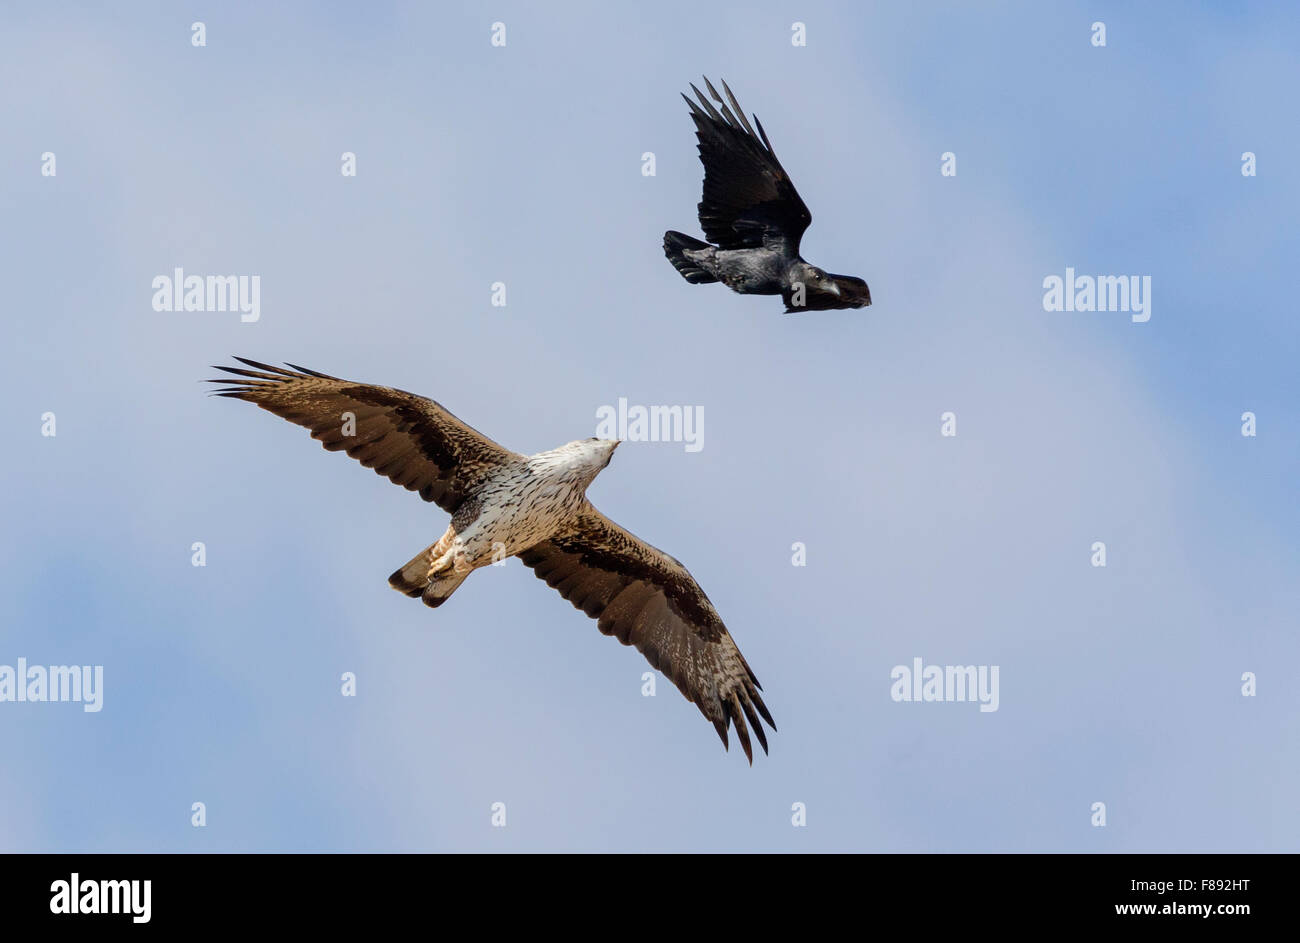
[522, 165]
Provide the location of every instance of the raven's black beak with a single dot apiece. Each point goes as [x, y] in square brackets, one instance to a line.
[853, 291]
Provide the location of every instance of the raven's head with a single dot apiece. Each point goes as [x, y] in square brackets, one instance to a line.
[811, 289]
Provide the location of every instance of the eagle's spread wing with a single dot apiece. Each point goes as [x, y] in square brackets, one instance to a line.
[648, 599]
[747, 195]
[409, 439]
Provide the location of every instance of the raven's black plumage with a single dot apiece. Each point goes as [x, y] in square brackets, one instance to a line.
[752, 217]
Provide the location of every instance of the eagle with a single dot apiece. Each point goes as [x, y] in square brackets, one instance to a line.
[753, 218]
[533, 507]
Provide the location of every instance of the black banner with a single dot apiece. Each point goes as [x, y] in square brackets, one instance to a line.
[172, 892]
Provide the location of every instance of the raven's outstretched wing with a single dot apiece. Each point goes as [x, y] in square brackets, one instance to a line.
[409, 439]
[645, 598]
[748, 197]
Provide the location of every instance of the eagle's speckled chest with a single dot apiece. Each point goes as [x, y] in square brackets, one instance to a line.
[518, 507]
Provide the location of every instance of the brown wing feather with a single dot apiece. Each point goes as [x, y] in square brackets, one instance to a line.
[409, 439]
[644, 597]
[748, 197]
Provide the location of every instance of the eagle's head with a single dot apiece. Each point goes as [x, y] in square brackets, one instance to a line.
[586, 457]
[822, 291]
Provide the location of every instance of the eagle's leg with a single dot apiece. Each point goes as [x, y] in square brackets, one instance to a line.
[434, 573]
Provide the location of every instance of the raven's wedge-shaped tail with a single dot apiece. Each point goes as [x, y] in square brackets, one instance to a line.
[675, 246]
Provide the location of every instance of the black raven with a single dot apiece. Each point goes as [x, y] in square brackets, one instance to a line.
[754, 218]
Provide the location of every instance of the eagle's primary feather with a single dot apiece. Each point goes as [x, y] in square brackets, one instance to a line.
[644, 597]
[408, 439]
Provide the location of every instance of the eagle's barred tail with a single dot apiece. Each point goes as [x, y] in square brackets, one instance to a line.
[416, 580]
[675, 246]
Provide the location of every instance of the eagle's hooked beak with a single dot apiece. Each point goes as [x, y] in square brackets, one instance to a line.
[612, 449]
